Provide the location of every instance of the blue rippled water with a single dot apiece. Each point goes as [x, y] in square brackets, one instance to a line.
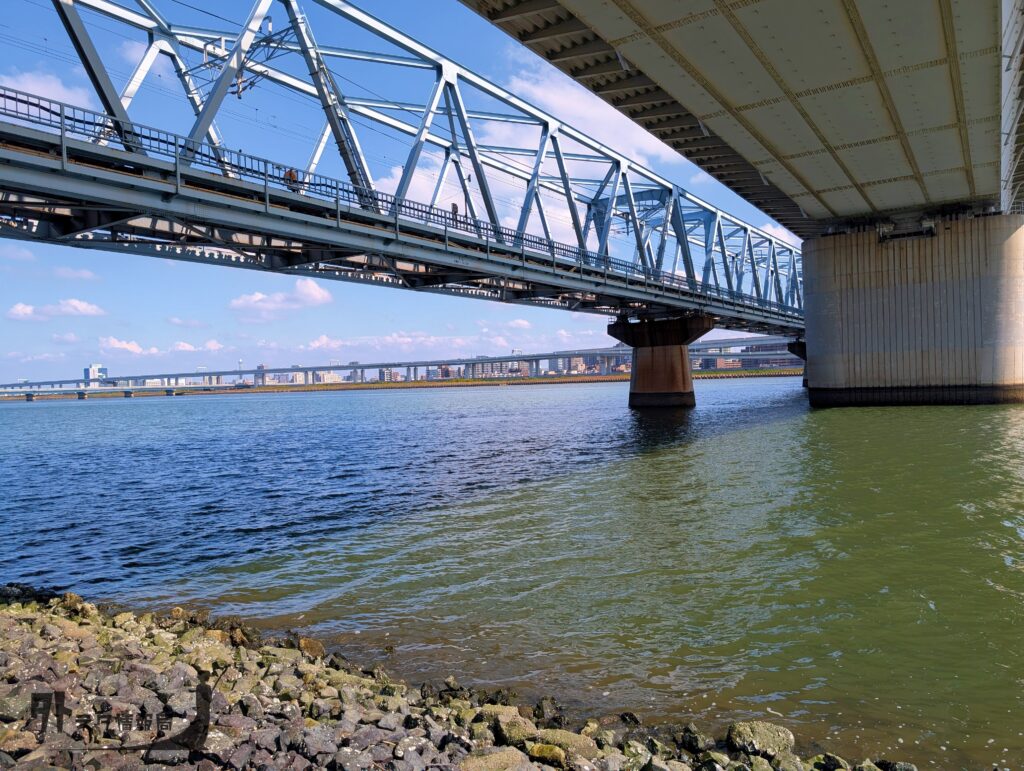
[857, 572]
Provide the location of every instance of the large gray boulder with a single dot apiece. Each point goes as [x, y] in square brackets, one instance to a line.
[760, 738]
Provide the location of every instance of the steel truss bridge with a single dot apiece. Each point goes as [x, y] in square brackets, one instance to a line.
[104, 179]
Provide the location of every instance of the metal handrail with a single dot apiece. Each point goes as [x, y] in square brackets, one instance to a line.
[72, 121]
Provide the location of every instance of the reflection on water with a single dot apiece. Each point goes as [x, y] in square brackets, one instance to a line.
[858, 572]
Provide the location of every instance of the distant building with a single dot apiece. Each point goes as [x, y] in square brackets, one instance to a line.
[388, 375]
[95, 372]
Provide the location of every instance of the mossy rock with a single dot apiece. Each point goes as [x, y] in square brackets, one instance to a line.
[549, 755]
[583, 746]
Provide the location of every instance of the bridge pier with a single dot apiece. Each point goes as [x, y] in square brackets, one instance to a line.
[661, 362]
[922, 320]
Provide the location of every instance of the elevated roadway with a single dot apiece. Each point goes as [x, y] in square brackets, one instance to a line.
[888, 134]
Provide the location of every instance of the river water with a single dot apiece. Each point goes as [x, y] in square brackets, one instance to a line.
[855, 574]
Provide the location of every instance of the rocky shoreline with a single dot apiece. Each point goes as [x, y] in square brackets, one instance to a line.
[84, 687]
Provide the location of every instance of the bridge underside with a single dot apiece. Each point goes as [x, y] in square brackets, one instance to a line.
[890, 135]
[81, 194]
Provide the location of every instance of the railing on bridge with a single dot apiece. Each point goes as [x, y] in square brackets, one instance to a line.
[73, 122]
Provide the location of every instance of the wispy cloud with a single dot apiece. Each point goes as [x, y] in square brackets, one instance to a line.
[109, 344]
[209, 345]
[15, 252]
[75, 274]
[180, 322]
[306, 294]
[781, 233]
[69, 307]
[69, 338]
[48, 85]
[519, 324]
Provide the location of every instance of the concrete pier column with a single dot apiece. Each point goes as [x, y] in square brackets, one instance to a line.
[922, 320]
[661, 360]
[408, 373]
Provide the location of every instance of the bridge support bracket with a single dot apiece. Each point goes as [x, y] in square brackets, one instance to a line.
[661, 374]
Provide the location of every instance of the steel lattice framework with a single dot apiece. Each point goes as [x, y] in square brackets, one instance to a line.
[639, 245]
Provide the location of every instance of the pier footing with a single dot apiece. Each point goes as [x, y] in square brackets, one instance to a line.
[661, 375]
[930, 319]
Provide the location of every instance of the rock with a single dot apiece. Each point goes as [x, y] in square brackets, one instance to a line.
[712, 760]
[890, 765]
[493, 712]
[655, 764]
[826, 761]
[317, 742]
[758, 737]
[757, 763]
[391, 722]
[166, 755]
[515, 731]
[218, 746]
[866, 765]
[349, 759]
[636, 753]
[583, 746]
[312, 648]
[692, 740]
[15, 742]
[676, 765]
[496, 759]
[548, 754]
[787, 761]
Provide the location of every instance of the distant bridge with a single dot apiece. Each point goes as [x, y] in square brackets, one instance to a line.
[773, 348]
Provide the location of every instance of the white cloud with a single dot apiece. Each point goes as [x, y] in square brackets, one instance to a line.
[69, 307]
[781, 233]
[130, 346]
[519, 324]
[78, 274]
[67, 339]
[42, 357]
[23, 312]
[701, 177]
[500, 342]
[48, 85]
[325, 343]
[15, 252]
[307, 293]
[546, 87]
[209, 345]
[132, 52]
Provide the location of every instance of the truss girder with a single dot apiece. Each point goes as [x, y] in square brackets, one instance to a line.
[663, 231]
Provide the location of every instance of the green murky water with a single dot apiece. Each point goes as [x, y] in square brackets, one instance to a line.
[856, 574]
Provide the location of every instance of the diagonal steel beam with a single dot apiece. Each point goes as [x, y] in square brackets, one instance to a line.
[233, 65]
[570, 196]
[332, 101]
[456, 105]
[421, 135]
[531, 186]
[97, 73]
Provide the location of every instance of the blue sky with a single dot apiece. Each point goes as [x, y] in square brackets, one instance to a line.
[61, 307]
